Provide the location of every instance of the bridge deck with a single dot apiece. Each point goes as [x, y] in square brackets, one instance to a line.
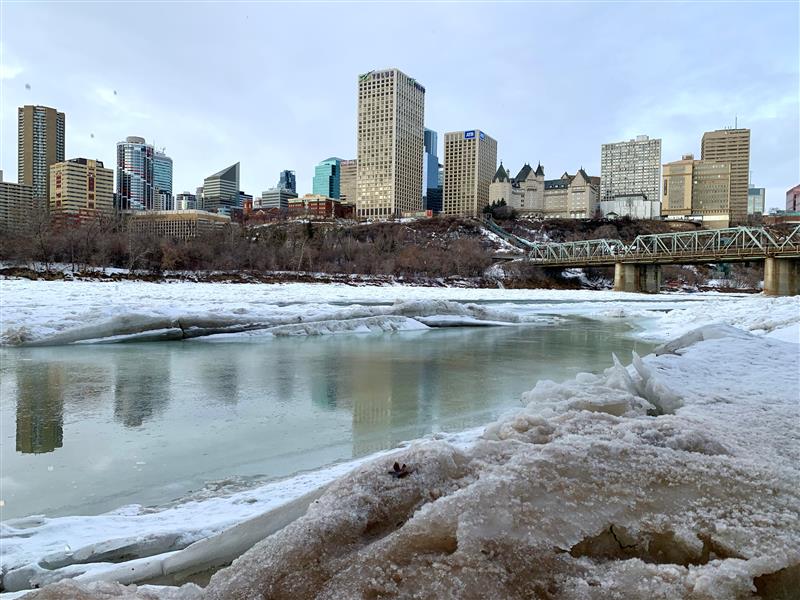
[736, 244]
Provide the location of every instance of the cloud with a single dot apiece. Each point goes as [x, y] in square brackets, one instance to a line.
[9, 71]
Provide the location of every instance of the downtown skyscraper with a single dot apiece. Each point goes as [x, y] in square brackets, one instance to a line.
[40, 140]
[470, 162]
[162, 181]
[135, 174]
[731, 146]
[391, 111]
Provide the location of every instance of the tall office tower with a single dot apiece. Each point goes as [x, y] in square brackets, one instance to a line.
[287, 181]
[135, 189]
[327, 178]
[699, 188]
[40, 143]
[756, 200]
[470, 161]
[631, 169]
[81, 189]
[347, 180]
[430, 162]
[162, 172]
[391, 111]
[221, 190]
[162, 181]
[731, 146]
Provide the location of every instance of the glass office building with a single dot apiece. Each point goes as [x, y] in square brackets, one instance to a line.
[287, 181]
[135, 189]
[327, 178]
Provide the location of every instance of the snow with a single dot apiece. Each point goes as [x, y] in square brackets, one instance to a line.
[58, 312]
[676, 476]
[500, 242]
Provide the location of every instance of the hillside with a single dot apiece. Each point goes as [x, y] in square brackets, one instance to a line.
[438, 251]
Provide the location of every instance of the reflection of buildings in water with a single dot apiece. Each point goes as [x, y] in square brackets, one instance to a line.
[325, 375]
[221, 380]
[40, 407]
[141, 388]
[372, 404]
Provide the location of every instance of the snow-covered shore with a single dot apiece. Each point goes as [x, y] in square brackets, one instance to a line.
[678, 474]
[59, 312]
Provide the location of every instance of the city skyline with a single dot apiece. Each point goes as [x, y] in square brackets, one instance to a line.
[560, 125]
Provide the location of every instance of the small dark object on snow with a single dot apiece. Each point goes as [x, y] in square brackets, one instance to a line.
[400, 471]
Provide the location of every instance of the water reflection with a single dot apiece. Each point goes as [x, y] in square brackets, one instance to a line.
[146, 422]
[40, 408]
[141, 387]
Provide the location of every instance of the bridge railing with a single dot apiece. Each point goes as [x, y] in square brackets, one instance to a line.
[590, 250]
[792, 241]
[732, 241]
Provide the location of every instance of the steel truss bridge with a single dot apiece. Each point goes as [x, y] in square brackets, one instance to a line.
[687, 247]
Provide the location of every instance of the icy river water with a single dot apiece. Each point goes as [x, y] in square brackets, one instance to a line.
[89, 428]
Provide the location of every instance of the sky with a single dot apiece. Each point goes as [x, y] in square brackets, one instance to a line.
[273, 84]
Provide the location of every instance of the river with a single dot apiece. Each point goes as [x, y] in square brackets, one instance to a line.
[90, 428]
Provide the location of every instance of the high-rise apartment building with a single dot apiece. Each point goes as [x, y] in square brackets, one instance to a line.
[697, 188]
[731, 146]
[632, 170]
[135, 188]
[348, 180]
[756, 200]
[287, 181]
[470, 160]
[391, 111]
[81, 189]
[40, 144]
[16, 206]
[221, 190]
[327, 178]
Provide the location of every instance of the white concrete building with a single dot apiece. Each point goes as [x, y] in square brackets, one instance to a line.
[632, 169]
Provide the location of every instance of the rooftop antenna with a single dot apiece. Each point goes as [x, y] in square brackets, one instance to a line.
[736, 122]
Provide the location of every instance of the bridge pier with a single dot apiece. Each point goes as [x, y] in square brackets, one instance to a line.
[634, 277]
[781, 276]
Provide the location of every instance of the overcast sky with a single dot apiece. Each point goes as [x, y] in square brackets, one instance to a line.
[273, 85]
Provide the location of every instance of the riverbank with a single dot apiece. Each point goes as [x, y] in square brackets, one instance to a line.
[584, 424]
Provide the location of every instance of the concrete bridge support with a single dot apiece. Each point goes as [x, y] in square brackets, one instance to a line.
[781, 276]
[633, 277]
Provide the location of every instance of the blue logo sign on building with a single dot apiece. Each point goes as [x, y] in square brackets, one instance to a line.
[482, 136]
[468, 135]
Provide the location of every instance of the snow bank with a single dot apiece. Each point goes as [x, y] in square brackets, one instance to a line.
[278, 320]
[676, 477]
[67, 312]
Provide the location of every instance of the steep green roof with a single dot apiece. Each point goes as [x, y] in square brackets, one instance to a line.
[501, 175]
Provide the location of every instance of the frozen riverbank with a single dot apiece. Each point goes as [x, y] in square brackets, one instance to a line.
[59, 312]
[590, 406]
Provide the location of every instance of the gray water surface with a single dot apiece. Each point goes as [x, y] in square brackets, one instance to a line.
[87, 429]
